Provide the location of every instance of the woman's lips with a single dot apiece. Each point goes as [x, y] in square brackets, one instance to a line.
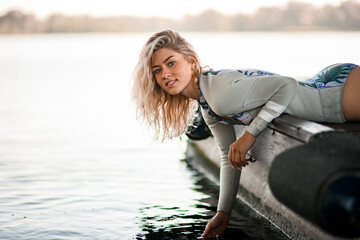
[170, 83]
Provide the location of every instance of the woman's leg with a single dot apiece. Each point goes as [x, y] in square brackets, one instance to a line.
[351, 96]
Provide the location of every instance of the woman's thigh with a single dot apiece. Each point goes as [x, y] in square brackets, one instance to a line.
[351, 96]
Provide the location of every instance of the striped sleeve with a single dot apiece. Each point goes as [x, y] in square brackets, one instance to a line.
[283, 89]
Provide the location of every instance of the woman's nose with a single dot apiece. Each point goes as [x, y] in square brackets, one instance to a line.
[165, 74]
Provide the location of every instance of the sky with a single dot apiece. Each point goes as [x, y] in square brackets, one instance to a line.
[143, 8]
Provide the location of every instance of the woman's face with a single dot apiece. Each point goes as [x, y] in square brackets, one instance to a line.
[171, 70]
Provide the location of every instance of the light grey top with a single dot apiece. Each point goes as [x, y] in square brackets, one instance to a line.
[262, 96]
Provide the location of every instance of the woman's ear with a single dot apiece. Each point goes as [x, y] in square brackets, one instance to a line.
[192, 60]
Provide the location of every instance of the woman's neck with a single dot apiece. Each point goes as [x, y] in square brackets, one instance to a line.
[192, 90]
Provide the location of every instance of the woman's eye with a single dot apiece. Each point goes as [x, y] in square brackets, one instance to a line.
[171, 63]
[157, 70]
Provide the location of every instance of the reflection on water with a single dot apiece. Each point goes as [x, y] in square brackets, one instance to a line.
[174, 222]
[159, 222]
[84, 189]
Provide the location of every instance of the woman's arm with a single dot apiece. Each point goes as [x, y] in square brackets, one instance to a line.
[276, 92]
[224, 136]
[238, 150]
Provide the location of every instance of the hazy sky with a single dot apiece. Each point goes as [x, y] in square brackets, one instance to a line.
[144, 8]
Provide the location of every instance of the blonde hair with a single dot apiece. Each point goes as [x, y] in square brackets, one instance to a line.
[169, 115]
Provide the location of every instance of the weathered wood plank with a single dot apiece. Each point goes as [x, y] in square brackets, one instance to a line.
[283, 133]
[297, 128]
[269, 144]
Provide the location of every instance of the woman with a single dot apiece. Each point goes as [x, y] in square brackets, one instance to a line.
[169, 82]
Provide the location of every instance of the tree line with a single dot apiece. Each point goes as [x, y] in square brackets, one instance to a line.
[295, 16]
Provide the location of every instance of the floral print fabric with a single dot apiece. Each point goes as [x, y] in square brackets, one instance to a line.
[331, 76]
[239, 118]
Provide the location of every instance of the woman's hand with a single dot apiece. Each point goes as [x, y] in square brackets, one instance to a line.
[238, 150]
[216, 226]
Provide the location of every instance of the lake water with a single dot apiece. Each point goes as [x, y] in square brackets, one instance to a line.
[75, 163]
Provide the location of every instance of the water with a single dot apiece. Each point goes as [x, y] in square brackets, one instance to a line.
[75, 163]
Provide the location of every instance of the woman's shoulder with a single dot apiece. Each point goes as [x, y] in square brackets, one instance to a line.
[220, 87]
[247, 72]
[216, 79]
[213, 80]
[214, 85]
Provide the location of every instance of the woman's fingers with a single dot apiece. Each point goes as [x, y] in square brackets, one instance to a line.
[230, 156]
[206, 232]
[238, 150]
[234, 158]
[243, 159]
[216, 226]
[237, 158]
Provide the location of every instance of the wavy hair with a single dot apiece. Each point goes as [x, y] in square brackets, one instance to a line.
[169, 115]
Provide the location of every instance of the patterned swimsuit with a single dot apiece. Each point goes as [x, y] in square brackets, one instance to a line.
[239, 118]
[331, 76]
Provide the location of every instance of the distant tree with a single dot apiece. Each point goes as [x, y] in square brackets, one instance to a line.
[268, 18]
[241, 22]
[210, 20]
[17, 22]
[298, 15]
